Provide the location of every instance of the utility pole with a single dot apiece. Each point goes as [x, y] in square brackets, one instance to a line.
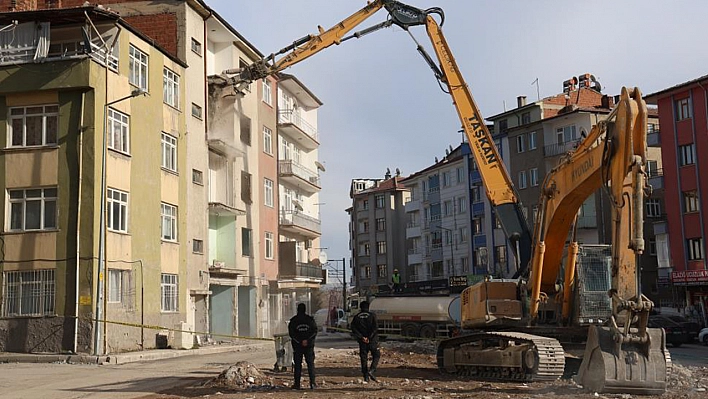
[344, 284]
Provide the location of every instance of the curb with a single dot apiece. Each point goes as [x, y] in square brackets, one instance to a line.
[128, 357]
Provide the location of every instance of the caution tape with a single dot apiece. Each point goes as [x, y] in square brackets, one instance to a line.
[163, 328]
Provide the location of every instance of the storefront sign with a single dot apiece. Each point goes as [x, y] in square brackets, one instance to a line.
[458, 281]
[690, 277]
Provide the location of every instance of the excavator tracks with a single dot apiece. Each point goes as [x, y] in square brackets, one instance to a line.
[502, 356]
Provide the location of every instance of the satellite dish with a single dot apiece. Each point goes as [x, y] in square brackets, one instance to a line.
[323, 257]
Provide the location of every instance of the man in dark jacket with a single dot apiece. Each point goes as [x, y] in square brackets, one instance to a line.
[303, 330]
[366, 332]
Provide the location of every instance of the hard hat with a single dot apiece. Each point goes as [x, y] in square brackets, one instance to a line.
[395, 270]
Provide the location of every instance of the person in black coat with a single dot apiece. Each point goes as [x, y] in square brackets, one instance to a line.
[366, 332]
[303, 330]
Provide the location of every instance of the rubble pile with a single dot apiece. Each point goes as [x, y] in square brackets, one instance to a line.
[688, 378]
[242, 375]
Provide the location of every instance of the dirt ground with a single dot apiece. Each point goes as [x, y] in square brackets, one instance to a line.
[406, 370]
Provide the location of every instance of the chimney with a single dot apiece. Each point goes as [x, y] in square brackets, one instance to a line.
[608, 101]
[520, 101]
[569, 85]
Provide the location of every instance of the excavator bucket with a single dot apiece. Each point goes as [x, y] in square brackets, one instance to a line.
[634, 368]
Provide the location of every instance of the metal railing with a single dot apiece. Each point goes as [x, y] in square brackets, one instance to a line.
[296, 218]
[289, 116]
[551, 150]
[28, 293]
[307, 270]
[290, 167]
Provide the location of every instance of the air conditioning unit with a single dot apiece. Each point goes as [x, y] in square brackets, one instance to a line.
[218, 264]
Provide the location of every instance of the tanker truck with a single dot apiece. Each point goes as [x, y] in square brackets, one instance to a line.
[429, 316]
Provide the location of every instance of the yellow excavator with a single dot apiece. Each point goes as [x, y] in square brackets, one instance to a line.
[513, 328]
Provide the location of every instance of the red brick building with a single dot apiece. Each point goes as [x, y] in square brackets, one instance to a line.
[683, 117]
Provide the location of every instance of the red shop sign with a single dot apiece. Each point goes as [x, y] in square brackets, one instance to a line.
[690, 277]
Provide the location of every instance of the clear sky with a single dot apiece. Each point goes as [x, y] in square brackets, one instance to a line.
[383, 107]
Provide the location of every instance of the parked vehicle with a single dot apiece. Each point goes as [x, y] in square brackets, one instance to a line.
[322, 319]
[692, 327]
[676, 334]
[703, 336]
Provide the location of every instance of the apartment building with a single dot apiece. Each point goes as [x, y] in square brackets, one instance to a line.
[216, 270]
[683, 135]
[299, 185]
[76, 119]
[377, 226]
[442, 224]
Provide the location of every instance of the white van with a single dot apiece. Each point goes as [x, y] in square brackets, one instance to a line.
[322, 315]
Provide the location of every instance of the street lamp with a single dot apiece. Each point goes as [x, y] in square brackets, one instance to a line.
[102, 226]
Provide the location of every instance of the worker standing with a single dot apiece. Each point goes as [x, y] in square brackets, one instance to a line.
[396, 279]
[303, 330]
[365, 330]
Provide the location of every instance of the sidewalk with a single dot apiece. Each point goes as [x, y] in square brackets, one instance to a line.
[130, 357]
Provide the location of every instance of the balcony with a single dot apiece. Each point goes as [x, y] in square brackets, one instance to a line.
[552, 150]
[653, 139]
[656, 179]
[300, 176]
[295, 127]
[415, 256]
[296, 222]
[413, 205]
[293, 272]
[478, 208]
[413, 230]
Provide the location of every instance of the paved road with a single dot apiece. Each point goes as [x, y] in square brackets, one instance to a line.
[132, 380]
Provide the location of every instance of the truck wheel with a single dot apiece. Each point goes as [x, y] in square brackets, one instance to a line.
[428, 331]
[409, 330]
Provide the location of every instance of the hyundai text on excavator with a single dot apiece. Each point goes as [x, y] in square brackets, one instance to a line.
[513, 327]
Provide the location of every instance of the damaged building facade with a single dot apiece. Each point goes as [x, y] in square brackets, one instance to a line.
[191, 235]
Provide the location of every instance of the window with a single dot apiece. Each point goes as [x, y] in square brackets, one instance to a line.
[363, 226]
[269, 251]
[246, 242]
[118, 131]
[366, 272]
[534, 177]
[566, 134]
[117, 206]
[691, 201]
[169, 293]
[534, 213]
[33, 126]
[683, 109]
[267, 91]
[365, 205]
[653, 208]
[33, 209]
[461, 205]
[695, 248]
[197, 177]
[652, 168]
[268, 187]
[525, 118]
[652, 247]
[169, 222]
[462, 234]
[381, 224]
[28, 293]
[460, 175]
[198, 246]
[196, 111]
[448, 208]
[503, 126]
[169, 152]
[446, 179]
[465, 262]
[364, 249]
[520, 143]
[380, 201]
[687, 154]
[267, 140]
[381, 247]
[500, 254]
[476, 194]
[170, 88]
[118, 285]
[448, 236]
[196, 47]
[246, 187]
[532, 141]
[477, 226]
[138, 74]
[522, 179]
[383, 270]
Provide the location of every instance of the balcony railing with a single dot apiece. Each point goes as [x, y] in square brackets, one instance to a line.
[296, 218]
[290, 167]
[559, 148]
[289, 116]
[307, 270]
